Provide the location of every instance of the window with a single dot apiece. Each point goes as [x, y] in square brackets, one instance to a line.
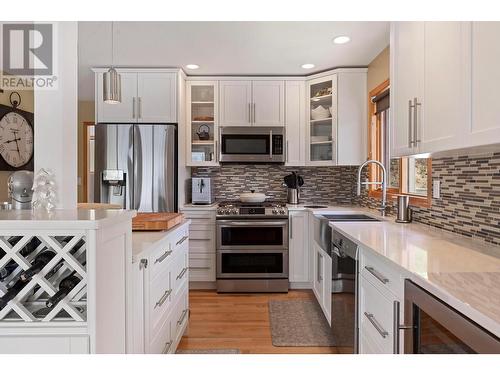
[407, 175]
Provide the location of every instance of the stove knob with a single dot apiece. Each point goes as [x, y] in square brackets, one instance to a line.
[227, 212]
[282, 212]
[234, 211]
[275, 212]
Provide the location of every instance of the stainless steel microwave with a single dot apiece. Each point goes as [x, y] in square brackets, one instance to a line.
[247, 144]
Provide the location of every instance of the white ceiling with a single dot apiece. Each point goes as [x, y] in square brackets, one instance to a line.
[227, 48]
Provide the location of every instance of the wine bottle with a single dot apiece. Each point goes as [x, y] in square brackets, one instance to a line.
[65, 286]
[11, 266]
[40, 261]
[11, 293]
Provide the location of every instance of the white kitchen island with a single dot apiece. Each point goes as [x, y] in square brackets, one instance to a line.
[94, 245]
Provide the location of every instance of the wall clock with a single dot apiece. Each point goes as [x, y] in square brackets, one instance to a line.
[16, 136]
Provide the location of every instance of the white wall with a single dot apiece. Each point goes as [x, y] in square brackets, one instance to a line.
[56, 117]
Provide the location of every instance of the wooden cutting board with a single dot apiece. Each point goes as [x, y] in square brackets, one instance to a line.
[156, 221]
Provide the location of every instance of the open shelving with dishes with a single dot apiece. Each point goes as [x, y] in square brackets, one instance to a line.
[43, 279]
[202, 120]
[322, 121]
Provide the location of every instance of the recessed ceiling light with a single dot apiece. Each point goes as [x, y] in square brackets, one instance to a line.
[341, 39]
[192, 66]
[308, 66]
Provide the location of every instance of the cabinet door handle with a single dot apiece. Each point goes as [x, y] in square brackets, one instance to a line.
[181, 275]
[253, 113]
[415, 121]
[181, 240]
[271, 144]
[377, 325]
[183, 316]
[163, 257]
[286, 152]
[139, 109]
[249, 113]
[163, 298]
[167, 346]
[378, 275]
[397, 327]
[291, 227]
[410, 129]
[216, 152]
[133, 107]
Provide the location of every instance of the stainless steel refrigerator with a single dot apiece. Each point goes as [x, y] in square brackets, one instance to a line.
[136, 166]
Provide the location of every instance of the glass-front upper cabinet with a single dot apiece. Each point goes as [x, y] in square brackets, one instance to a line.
[202, 147]
[322, 121]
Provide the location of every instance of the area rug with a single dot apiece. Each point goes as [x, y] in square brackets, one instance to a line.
[299, 323]
[208, 351]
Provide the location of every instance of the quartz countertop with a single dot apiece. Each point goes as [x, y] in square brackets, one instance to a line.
[462, 272]
[144, 241]
[62, 218]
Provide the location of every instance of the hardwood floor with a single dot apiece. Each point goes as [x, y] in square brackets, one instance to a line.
[238, 321]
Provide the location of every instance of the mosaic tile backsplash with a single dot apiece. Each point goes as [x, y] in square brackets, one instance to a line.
[470, 197]
[322, 185]
[469, 203]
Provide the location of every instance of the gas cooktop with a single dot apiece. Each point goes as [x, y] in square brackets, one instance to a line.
[235, 208]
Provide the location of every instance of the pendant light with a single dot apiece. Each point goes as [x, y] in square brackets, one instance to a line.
[112, 81]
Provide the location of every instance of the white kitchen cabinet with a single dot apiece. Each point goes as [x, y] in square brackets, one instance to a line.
[252, 103]
[156, 97]
[430, 75]
[352, 109]
[268, 102]
[159, 290]
[148, 96]
[235, 103]
[124, 112]
[202, 132]
[322, 280]
[485, 126]
[202, 255]
[381, 293]
[298, 247]
[295, 122]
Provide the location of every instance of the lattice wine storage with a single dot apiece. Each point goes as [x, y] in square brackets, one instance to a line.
[33, 269]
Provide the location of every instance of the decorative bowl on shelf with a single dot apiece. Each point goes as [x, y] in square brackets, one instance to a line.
[320, 113]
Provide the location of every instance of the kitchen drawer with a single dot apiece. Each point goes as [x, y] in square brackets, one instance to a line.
[202, 232]
[201, 267]
[161, 258]
[160, 299]
[199, 214]
[181, 315]
[162, 338]
[376, 316]
[180, 238]
[203, 221]
[381, 273]
[180, 272]
[201, 246]
[44, 344]
[367, 346]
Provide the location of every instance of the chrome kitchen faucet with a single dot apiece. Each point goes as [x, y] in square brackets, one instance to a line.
[383, 183]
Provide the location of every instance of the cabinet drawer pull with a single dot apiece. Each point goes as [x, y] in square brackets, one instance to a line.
[199, 268]
[183, 316]
[163, 257]
[163, 298]
[181, 240]
[378, 275]
[376, 324]
[168, 345]
[181, 275]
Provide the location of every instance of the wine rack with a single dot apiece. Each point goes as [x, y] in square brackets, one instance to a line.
[29, 304]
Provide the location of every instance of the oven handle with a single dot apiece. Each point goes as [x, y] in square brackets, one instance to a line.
[251, 223]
